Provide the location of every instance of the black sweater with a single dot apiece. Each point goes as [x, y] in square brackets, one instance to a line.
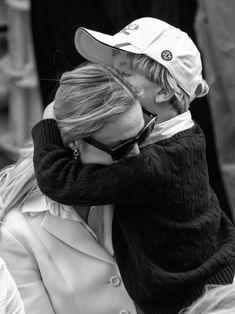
[169, 234]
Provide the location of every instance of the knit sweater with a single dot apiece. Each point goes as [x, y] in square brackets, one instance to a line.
[169, 234]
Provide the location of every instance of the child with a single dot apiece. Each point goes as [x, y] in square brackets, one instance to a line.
[169, 234]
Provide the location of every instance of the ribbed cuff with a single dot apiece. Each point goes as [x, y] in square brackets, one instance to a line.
[174, 303]
[46, 132]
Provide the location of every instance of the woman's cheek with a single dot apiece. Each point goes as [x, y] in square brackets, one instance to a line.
[95, 156]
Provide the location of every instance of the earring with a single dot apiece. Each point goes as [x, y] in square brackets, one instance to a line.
[75, 153]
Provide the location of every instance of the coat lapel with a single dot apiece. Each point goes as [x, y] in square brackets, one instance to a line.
[76, 236]
[71, 232]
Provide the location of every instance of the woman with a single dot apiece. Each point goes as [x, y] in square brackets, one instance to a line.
[62, 261]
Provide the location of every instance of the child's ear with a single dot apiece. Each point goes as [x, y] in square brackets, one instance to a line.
[163, 96]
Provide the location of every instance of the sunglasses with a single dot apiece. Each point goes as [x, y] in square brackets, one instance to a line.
[121, 151]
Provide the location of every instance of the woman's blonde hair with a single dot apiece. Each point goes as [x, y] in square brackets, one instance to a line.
[87, 98]
[157, 73]
[217, 299]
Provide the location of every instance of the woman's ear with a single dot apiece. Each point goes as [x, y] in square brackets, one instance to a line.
[163, 95]
[76, 145]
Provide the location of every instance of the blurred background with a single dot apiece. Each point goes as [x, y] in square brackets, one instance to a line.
[37, 46]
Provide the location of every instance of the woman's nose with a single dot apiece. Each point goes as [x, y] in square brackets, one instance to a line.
[135, 151]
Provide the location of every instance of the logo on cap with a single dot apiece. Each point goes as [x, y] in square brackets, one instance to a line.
[166, 55]
[133, 26]
[129, 27]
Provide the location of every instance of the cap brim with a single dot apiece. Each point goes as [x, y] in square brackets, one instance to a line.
[98, 47]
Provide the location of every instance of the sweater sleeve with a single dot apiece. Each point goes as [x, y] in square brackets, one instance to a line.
[70, 182]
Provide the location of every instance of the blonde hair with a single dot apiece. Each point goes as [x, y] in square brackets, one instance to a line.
[87, 98]
[217, 299]
[18, 181]
[157, 73]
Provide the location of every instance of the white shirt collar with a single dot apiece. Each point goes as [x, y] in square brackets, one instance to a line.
[170, 127]
[36, 204]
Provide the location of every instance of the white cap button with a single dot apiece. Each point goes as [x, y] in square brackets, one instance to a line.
[115, 281]
[124, 312]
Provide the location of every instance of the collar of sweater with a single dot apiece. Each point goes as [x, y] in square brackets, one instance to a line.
[170, 127]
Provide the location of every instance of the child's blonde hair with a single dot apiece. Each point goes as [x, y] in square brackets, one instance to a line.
[87, 98]
[217, 299]
[157, 73]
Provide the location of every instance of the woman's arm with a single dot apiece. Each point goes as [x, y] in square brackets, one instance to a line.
[70, 182]
[26, 274]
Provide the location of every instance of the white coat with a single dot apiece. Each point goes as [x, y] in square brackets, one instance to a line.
[59, 267]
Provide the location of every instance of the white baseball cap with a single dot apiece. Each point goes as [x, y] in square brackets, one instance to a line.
[152, 37]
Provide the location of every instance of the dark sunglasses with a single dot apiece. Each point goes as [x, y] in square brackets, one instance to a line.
[121, 151]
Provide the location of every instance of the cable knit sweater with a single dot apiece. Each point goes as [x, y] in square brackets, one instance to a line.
[169, 234]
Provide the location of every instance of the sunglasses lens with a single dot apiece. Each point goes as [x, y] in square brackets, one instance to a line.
[123, 151]
[146, 132]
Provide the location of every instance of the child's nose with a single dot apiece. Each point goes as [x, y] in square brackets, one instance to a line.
[135, 151]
